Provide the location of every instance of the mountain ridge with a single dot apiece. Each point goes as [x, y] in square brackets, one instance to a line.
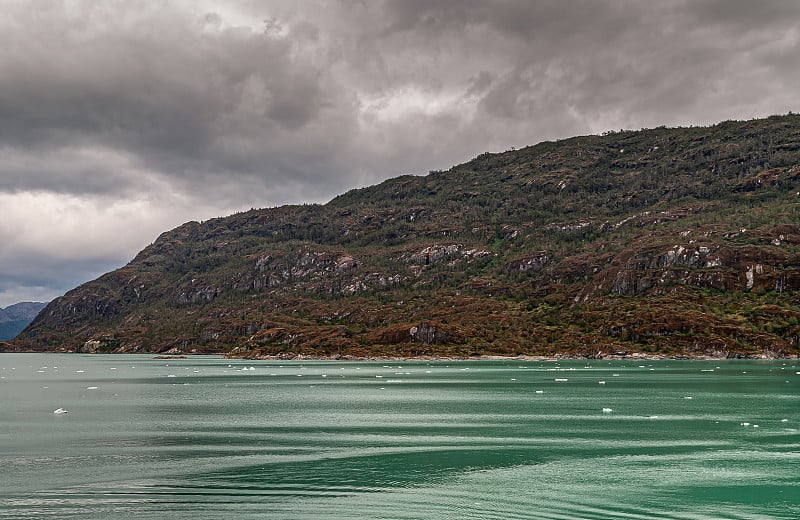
[677, 241]
[14, 318]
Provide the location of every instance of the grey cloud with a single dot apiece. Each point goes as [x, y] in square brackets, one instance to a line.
[175, 96]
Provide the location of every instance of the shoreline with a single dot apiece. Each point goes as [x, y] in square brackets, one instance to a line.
[636, 356]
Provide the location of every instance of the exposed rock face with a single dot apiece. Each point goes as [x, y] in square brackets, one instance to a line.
[428, 334]
[688, 243]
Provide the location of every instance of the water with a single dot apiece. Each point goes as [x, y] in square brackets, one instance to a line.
[203, 438]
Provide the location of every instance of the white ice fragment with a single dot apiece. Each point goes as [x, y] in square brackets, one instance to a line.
[561, 380]
[688, 397]
[540, 391]
[653, 417]
[91, 388]
[607, 410]
[60, 411]
[784, 420]
[601, 382]
[171, 375]
[745, 424]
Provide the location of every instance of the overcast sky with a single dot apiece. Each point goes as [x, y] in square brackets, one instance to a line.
[123, 119]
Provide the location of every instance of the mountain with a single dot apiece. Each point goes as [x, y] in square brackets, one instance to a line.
[674, 241]
[16, 317]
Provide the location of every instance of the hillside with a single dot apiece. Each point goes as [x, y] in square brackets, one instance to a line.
[678, 241]
[16, 317]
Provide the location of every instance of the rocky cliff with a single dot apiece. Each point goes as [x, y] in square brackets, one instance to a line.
[681, 241]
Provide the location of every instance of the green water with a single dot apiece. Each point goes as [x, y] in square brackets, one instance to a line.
[202, 438]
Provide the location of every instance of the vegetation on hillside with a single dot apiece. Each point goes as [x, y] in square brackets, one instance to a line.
[677, 241]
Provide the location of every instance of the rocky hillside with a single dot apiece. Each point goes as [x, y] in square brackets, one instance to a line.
[16, 317]
[680, 241]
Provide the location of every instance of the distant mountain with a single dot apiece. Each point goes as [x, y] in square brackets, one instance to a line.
[16, 317]
[679, 241]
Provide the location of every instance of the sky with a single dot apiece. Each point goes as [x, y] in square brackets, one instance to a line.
[121, 119]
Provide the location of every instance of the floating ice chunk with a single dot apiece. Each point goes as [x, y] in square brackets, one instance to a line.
[324, 375]
[91, 388]
[614, 375]
[653, 417]
[707, 370]
[540, 391]
[561, 380]
[784, 420]
[688, 397]
[513, 379]
[755, 426]
[607, 410]
[745, 424]
[601, 382]
[171, 375]
[60, 411]
[113, 368]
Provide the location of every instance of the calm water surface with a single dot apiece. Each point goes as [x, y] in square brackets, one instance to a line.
[210, 438]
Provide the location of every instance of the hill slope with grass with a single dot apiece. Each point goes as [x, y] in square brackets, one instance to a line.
[675, 241]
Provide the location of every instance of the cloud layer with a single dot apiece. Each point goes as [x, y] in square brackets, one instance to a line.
[119, 120]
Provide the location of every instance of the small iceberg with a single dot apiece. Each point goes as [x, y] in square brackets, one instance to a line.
[91, 388]
[607, 410]
[540, 391]
[561, 380]
[60, 411]
[601, 382]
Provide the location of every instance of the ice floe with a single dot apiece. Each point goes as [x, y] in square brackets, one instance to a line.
[60, 411]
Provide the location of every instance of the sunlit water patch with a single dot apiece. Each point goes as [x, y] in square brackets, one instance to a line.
[211, 438]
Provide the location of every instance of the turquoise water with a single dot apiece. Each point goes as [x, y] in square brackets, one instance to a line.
[205, 438]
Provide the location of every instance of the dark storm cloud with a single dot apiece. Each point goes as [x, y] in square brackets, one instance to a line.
[161, 112]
